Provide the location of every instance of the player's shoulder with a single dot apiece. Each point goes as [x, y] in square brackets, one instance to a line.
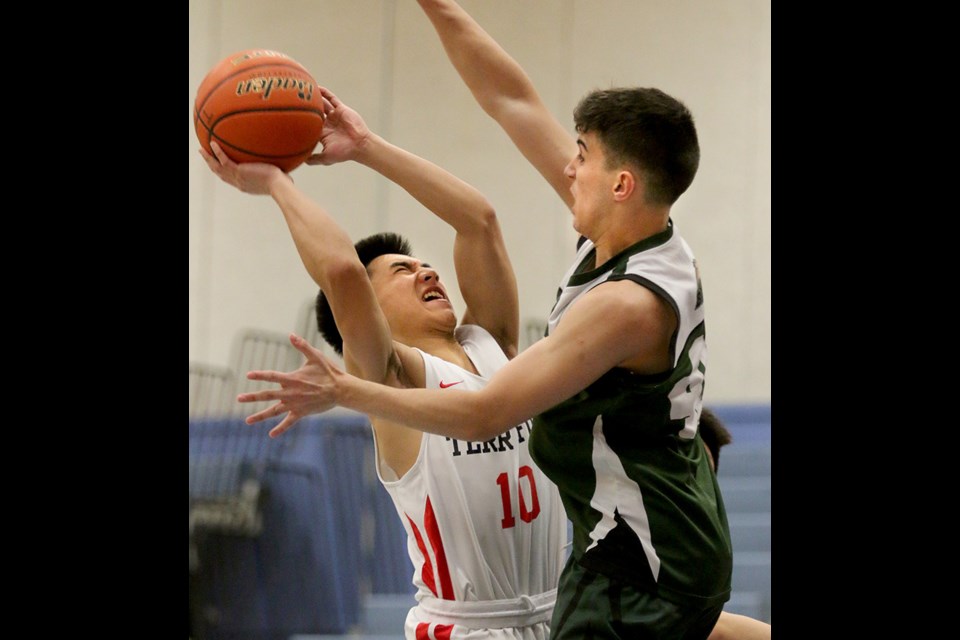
[623, 302]
[472, 333]
[625, 294]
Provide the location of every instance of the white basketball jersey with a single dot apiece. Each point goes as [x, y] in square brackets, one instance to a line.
[483, 523]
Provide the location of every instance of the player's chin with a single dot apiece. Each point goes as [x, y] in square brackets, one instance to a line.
[445, 312]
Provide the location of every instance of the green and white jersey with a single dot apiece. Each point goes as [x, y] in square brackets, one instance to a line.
[633, 476]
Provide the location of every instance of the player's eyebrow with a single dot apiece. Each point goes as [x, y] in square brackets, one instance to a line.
[408, 264]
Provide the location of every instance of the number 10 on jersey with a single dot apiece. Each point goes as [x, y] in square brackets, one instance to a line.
[526, 495]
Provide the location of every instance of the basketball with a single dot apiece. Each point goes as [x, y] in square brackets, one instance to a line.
[260, 106]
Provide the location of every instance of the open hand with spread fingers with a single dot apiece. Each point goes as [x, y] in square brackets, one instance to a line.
[310, 389]
[344, 132]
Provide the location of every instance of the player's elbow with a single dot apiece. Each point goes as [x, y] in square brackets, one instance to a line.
[482, 223]
[486, 219]
[344, 273]
[512, 101]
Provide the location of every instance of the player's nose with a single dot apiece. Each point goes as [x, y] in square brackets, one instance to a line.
[428, 274]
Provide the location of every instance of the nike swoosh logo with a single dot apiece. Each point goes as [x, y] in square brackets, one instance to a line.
[444, 385]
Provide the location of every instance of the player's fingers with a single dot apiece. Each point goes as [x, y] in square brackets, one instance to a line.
[329, 95]
[267, 376]
[304, 347]
[211, 161]
[221, 154]
[287, 422]
[260, 416]
[261, 396]
[327, 106]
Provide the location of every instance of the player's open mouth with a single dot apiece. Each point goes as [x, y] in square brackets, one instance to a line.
[433, 294]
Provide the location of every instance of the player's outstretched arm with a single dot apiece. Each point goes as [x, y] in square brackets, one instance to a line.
[615, 324]
[505, 92]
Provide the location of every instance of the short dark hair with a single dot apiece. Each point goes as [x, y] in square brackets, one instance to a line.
[648, 128]
[714, 434]
[368, 249]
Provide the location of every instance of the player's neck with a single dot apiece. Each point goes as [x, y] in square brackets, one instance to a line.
[445, 347]
[629, 232]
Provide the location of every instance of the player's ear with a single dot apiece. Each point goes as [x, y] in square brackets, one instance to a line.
[625, 185]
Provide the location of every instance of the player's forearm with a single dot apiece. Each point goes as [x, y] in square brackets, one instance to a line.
[325, 249]
[453, 200]
[531, 383]
[491, 74]
[464, 415]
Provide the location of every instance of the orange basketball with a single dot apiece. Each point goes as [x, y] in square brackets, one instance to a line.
[260, 106]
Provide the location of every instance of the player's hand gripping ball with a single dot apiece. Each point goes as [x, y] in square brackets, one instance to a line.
[260, 106]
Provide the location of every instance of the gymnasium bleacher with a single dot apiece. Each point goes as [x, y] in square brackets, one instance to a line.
[293, 538]
[744, 474]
